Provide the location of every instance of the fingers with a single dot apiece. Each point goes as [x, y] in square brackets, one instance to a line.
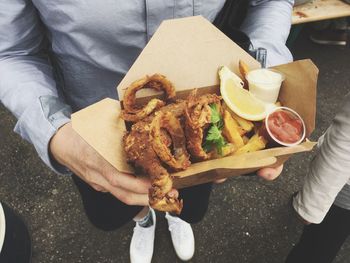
[129, 198]
[219, 181]
[139, 185]
[270, 174]
[86, 163]
[173, 193]
[98, 188]
[126, 196]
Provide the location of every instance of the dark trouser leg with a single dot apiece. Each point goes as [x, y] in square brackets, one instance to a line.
[196, 201]
[108, 213]
[320, 243]
[103, 209]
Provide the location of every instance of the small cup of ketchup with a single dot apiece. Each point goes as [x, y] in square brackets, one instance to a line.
[284, 126]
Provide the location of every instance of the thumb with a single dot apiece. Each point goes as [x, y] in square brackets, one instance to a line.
[270, 174]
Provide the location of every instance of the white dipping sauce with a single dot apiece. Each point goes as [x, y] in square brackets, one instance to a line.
[265, 84]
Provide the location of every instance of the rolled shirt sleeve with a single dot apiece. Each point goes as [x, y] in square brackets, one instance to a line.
[27, 86]
[329, 171]
[268, 25]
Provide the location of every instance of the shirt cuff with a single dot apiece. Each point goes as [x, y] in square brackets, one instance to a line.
[304, 213]
[40, 122]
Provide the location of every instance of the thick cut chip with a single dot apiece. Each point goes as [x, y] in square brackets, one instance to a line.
[246, 125]
[231, 130]
[255, 143]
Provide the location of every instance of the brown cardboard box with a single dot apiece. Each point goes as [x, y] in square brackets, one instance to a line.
[189, 52]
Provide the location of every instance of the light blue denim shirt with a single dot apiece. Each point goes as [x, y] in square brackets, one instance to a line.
[92, 44]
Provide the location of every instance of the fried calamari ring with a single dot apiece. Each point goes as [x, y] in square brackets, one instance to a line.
[152, 105]
[168, 122]
[177, 109]
[162, 184]
[140, 153]
[158, 82]
[166, 204]
[197, 119]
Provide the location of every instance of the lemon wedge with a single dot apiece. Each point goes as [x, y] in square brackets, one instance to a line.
[239, 100]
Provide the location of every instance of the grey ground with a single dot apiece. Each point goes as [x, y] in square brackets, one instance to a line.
[249, 220]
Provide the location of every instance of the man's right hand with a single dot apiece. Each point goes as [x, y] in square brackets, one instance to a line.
[70, 150]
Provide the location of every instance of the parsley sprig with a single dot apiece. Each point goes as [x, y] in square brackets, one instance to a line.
[214, 137]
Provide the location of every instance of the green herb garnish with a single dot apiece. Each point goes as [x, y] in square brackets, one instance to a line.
[215, 115]
[214, 137]
[207, 146]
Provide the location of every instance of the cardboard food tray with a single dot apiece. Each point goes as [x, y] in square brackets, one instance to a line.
[189, 52]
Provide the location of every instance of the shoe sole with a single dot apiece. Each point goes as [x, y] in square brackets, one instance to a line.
[328, 42]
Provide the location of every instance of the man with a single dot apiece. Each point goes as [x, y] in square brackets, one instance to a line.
[57, 57]
[324, 200]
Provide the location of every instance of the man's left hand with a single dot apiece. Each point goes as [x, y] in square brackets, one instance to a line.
[268, 174]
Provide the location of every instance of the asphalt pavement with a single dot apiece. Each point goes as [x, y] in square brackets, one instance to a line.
[249, 220]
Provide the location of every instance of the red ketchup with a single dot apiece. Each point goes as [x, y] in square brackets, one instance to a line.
[285, 126]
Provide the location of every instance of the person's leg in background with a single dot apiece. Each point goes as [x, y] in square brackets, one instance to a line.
[301, 2]
[330, 32]
[320, 243]
[15, 238]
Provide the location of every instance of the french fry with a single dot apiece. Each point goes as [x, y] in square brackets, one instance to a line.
[226, 150]
[231, 130]
[245, 124]
[255, 143]
[244, 69]
[245, 139]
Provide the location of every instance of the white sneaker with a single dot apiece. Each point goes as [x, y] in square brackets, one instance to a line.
[142, 242]
[182, 237]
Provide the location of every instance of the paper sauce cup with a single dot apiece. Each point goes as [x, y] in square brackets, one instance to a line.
[265, 84]
[283, 126]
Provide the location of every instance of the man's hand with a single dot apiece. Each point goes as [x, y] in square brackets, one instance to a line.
[270, 174]
[69, 149]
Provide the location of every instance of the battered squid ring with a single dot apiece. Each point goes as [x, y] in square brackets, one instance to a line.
[159, 195]
[158, 82]
[140, 153]
[166, 203]
[151, 106]
[197, 118]
[168, 122]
